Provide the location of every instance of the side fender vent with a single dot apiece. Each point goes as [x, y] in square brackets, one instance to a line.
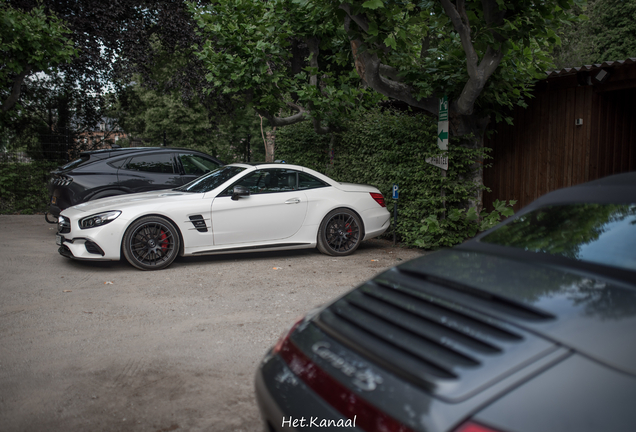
[199, 223]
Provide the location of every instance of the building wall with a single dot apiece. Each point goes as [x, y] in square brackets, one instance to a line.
[545, 150]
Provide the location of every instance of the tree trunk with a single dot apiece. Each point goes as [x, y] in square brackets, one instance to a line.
[270, 140]
[471, 131]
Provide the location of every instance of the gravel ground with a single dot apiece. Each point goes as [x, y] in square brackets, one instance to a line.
[105, 347]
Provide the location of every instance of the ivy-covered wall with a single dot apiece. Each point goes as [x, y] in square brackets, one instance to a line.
[383, 148]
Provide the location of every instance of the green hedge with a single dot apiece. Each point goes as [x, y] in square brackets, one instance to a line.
[23, 187]
[385, 147]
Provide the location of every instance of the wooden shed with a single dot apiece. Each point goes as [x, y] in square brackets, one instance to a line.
[579, 126]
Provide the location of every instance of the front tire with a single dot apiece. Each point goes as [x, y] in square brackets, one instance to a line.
[151, 243]
[340, 233]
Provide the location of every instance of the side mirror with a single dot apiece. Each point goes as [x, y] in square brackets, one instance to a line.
[240, 191]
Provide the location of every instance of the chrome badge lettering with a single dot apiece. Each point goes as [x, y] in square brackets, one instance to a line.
[365, 379]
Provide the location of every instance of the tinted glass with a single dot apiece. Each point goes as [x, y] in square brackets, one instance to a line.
[117, 163]
[76, 163]
[155, 163]
[268, 181]
[598, 233]
[307, 181]
[211, 180]
[197, 165]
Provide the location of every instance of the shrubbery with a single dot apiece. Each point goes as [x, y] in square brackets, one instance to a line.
[383, 148]
[23, 187]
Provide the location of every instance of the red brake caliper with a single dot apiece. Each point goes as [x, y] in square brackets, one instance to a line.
[164, 241]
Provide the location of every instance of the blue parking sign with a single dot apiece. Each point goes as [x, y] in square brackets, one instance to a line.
[395, 191]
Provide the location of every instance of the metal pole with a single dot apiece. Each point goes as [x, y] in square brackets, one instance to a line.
[394, 222]
[443, 195]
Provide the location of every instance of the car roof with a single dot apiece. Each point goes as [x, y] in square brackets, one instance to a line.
[122, 151]
[614, 189]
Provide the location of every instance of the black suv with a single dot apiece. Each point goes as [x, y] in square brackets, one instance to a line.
[103, 173]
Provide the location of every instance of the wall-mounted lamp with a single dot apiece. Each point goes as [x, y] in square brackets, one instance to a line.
[601, 76]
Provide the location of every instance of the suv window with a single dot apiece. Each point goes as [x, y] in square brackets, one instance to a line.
[268, 181]
[75, 163]
[196, 165]
[117, 163]
[155, 163]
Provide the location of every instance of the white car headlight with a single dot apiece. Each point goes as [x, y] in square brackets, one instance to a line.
[98, 219]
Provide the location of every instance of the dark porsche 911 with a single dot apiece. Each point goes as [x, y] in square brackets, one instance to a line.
[529, 327]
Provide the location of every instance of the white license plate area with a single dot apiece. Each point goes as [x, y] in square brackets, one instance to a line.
[58, 239]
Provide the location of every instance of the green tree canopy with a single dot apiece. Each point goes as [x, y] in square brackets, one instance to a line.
[30, 42]
[613, 28]
[607, 34]
[282, 57]
[300, 54]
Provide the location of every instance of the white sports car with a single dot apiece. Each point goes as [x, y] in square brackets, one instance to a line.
[237, 208]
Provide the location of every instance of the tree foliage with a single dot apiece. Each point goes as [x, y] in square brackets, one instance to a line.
[30, 42]
[281, 57]
[607, 32]
[484, 54]
[613, 26]
[118, 45]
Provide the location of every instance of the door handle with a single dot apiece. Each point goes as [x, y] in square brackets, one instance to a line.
[292, 201]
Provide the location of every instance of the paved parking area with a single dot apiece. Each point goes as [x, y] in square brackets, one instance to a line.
[106, 347]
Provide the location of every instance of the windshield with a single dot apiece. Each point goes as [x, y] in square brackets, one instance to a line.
[212, 180]
[597, 233]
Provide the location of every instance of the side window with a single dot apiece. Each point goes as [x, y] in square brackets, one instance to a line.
[268, 181]
[196, 165]
[307, 181]
[155, 163]
[117, 163]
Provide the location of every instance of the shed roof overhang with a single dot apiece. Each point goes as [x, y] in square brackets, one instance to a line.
[606, 76]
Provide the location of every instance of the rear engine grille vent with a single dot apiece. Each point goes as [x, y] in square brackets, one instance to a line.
[199, 223]
[492, 301]
[441, 343]
[63, 225]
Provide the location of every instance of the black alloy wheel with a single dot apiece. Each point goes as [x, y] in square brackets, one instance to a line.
[151, 243]
[340, 233]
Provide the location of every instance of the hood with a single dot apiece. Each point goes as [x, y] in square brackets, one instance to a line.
[592, 316]
[121, 202]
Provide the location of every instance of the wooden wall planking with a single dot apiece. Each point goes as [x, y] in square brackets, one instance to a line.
[544, 150]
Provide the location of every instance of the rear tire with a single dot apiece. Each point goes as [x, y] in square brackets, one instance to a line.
[151, 243]
[340, 233]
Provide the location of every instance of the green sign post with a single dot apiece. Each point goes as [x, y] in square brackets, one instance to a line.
[441, 161]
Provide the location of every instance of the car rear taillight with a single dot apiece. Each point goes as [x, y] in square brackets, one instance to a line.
[285, 336]
[366, 416]
[378, 198]
[62, 180]
[474, 427]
